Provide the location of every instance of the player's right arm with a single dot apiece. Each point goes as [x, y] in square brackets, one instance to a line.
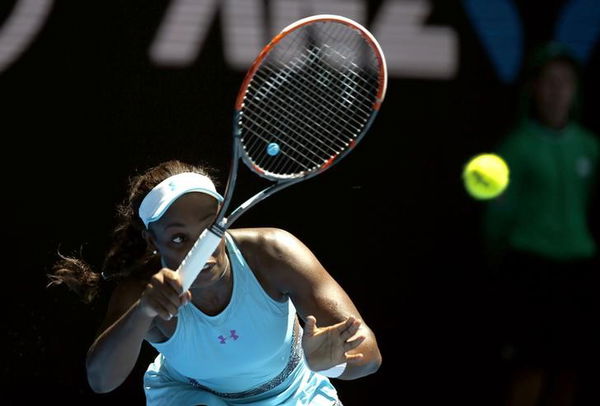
[131, 317]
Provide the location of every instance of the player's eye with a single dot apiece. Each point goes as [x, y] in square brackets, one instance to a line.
[178, 239]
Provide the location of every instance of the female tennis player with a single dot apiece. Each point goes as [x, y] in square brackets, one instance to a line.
[235, 336]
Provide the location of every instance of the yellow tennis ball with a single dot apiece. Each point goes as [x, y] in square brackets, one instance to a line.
[486, 176]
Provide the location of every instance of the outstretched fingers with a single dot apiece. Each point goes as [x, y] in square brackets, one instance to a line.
[354, 357]
[350, 328]
[346, 330]
[352, 344]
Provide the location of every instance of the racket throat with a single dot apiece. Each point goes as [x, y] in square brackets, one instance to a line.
[219, 228]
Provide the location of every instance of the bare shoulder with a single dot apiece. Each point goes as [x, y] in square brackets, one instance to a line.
[294, 270]
[278, 256]
[265, 245]
[271, 254]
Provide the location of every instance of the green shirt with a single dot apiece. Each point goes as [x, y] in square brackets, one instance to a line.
[545, 207]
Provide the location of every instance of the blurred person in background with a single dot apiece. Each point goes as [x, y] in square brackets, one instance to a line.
[539, 240]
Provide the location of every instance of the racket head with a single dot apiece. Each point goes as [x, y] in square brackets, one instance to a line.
[309, 97]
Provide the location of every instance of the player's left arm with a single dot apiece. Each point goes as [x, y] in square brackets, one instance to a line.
[297, 273]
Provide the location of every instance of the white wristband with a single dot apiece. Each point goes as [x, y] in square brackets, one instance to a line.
[334, 371]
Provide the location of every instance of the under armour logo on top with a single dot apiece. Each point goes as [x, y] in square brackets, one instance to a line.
[233, 335]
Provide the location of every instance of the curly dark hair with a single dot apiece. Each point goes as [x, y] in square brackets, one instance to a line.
[129, 254]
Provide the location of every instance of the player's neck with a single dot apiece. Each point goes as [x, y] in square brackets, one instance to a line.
[214, 298]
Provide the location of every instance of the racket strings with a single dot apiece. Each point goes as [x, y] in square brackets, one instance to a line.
[280, 123]
[286, 117]
[321, 55]
[300, 105]
[312, 106]
[313, 57]
[344, 44]
[296, 104]
[334, 148]
[330, 103]
[354, 45]
[284, 123]
[341, 38]
[320, 146]
[257, 148]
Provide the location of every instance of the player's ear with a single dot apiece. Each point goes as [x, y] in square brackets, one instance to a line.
[150, 240]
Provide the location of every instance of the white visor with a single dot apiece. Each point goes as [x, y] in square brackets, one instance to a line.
[156, 203]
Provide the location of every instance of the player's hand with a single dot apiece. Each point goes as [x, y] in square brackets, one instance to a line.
[325, 347]
[164, 295]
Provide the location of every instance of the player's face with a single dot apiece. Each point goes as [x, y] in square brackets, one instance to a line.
[554, 92]
[179, 228]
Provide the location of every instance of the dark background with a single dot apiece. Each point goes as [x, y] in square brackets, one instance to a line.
[84, 107]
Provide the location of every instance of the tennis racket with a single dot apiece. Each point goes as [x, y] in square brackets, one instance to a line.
[307, 100]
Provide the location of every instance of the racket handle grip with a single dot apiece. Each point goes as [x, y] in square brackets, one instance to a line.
[197, 256]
